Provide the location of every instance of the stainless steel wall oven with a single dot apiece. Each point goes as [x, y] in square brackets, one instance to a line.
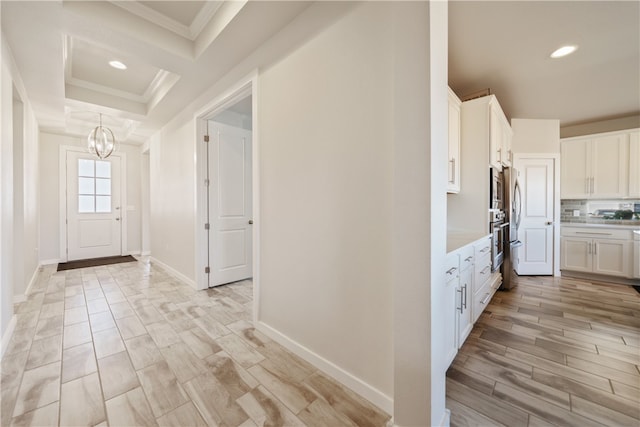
[499, 228]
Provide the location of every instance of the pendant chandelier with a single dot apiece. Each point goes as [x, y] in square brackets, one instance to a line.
[101, 141]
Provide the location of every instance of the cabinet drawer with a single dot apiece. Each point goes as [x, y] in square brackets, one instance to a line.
[482, 298]
[482, 272]
[597, 233]
[482, 248]
[451, 267]
[466, 257]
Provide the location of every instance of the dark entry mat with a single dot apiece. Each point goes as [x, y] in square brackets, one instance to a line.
[637, 288]
[94, 262]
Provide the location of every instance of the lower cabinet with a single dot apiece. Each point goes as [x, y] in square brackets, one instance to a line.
[597, 250]
[470, 284]
[463, 305]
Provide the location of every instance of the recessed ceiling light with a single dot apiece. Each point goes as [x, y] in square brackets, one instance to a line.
[117, 64]
[563, 51]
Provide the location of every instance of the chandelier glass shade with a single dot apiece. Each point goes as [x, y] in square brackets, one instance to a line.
[101, 141]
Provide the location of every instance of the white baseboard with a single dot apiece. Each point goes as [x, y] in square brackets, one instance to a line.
[34, 279]
[6, 337]
[347, 379]
[23, 297]
[134, 253]
[446, 418]
[145, 253]
[49, 261]
[173, 272]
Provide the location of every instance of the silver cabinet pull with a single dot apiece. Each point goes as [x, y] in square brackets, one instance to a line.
[250, 222]
[451, 270]
[453, 170]
[486, 298]
[549, 223]
[465, 296]
[460, 308]
[117, 219]
[467, 259]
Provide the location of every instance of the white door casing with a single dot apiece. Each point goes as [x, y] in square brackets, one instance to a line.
[230, 204]
[93, 206]
[536, 255]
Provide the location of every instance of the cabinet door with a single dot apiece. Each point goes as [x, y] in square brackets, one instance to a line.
[612, 257]
[495, 137]
[634, 164]
[574, 176]
[609, 176]
[465, 322]
[453, 171]
[451, 323]
[575, 254]
[507, 136]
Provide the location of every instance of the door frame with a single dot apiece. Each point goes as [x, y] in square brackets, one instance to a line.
[518, 157]
[242, 88]
[62, 197]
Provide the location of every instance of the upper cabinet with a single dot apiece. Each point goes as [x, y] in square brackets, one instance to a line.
[634, 164]
[601, 166]
[500, 135]
[453, 167]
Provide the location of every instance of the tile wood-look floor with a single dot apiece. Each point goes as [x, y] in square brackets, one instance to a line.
[552, 351]
[128, 345]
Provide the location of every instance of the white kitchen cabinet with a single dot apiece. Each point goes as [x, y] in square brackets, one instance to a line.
[452, 274]
[605, 251]
[453, 167]
[634, 164]
[500, 135]
[595, 166]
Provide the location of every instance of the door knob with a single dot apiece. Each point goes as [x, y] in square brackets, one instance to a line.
[250, 222]
[117, 219]
[549, 222]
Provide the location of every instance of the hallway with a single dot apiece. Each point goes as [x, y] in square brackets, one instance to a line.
[127, 344]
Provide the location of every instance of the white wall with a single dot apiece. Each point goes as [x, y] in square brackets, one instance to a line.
[50, 194]
[172, 172]
[600, 126]
[325, 132]
[535, 136]
[351, 118]
[19, 192]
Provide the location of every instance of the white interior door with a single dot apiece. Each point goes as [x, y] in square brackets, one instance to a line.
[94, 223]
[230, 210]
[535, 256]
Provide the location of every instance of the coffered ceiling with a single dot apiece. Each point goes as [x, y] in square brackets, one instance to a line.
[175, 50]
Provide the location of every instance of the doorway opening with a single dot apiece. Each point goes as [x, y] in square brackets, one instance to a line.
[227, 191]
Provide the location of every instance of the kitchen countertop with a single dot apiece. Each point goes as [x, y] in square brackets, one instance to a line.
[623, 224]
[459, 238]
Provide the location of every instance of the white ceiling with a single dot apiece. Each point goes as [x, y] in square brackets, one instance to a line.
[175, 50]
[505, 46]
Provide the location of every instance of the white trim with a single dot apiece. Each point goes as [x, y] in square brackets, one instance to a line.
[173, 272]
[446, 418]
[50, 261]
[17, 299]
[62, 198]
[145, 253]
[8, 333]
[347, 379]
[244, 87]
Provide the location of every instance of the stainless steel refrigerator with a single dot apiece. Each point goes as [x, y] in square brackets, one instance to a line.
[513, 209]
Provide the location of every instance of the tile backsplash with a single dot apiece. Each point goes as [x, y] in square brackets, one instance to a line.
[574, 210]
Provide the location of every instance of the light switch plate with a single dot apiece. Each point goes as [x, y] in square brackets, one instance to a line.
[576, 212]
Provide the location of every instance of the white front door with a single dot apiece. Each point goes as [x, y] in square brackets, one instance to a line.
[535, 256]
[230, 207]
[94, 223]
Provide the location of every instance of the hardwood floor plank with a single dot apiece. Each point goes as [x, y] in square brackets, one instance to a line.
[541, 408]
[626, 391]
[488, 406]
[472, 379]
[561, 370]
[601, 414]
[627, 376]
[463, 416]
